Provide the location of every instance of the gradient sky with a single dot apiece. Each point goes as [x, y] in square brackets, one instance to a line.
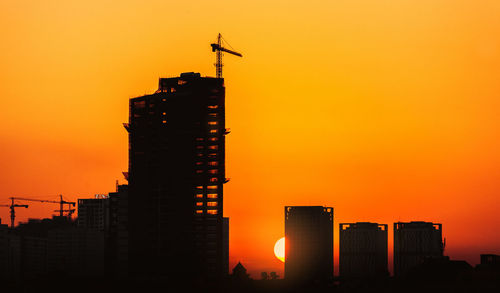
[387, 110]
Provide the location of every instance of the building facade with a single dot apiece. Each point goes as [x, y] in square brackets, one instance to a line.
[309, 243]
[414, 242]
[363, 250]
[94, 213]
[75, 252]
[176, 176]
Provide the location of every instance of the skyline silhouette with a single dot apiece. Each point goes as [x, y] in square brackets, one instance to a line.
[166, 227]
[385, 111]
[144, 106]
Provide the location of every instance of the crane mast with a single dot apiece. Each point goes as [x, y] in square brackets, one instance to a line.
[61, 203]
[218, 48]
[13, 207]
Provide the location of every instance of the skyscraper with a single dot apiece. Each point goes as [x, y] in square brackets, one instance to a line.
[176, 176]
[363, 250]
[414, 242]
[309, 243]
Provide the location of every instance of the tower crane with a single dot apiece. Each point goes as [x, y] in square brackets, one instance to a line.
[218, 49]
[13, 207]
[61, 203]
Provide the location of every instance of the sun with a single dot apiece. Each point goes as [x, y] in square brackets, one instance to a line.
[279, 249]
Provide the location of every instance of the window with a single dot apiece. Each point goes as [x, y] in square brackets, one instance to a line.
[200, 147]
[181, 82]
[199, 204]
[213, 180]
[199, 212]
[164, 121]
[199, 163]
[213, 139]
[199, 171]
[212, 187]
[140, 104]
[164, 113]
[172, 90]
[212, 195]
[199, 195]
[212, 204]
[212, 212]
[214, 171]
[213, 147]
[213, 131]
[213, 163]
[212, 115]
[199, 187]
[213, 107]
[213, 123]
[199, 139]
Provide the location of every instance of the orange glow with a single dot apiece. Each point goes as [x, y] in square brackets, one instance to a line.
[386, 110]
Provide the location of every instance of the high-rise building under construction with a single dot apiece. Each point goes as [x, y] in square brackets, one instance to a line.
[176, 176]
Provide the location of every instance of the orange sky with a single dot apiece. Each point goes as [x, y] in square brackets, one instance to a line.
[386, 110]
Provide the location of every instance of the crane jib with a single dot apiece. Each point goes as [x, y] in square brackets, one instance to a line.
[216, 47]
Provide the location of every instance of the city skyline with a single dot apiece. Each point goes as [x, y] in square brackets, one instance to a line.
[383, 114]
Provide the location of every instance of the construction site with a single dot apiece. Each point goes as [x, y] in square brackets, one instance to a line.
[170, 210]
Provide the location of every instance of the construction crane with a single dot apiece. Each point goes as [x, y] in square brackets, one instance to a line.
[61, 203]
[13, 207]
[218, 49]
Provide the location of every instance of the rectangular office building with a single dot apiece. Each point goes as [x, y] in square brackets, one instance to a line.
[363, 250]
[414, 242]
[309, 243]
[176, 176]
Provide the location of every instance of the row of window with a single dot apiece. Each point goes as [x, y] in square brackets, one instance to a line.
[209, 195]
[209, 212]
[210, 187]
[211, 163]
[210, 139]
[210, 147]
[210, 155]
[209, 204]
[212, 171]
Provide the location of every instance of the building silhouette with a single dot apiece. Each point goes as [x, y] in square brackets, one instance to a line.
[363, 250]
[108, 214]
[47, 248]
[94, 213]
[225, 250]
[176, 176]
[309, 244]
[414, 242]
[117, 244]
[10, 254]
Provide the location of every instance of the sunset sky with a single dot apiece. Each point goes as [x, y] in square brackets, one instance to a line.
[386, 110]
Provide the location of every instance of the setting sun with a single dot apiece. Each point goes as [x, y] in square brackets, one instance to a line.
[279, 249]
